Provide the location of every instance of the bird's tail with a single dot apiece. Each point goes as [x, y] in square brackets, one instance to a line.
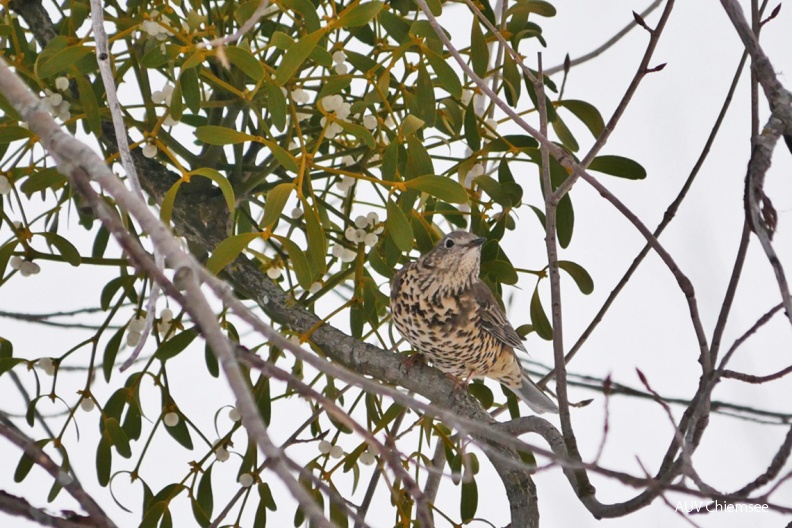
[537, 400]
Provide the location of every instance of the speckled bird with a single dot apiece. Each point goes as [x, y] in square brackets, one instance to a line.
[449, 315]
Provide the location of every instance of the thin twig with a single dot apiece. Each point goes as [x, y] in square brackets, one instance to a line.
[607, 45]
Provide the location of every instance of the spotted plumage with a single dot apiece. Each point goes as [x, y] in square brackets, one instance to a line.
[446, 313]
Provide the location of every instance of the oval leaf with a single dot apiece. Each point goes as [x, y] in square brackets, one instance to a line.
[298, 260]
[618, 166]
[217, 135]
[176, 344]
[296, 55]
[360, 14]
[399, 227]
[48, 65]
[579, 275]
[64, 247]
[245, 61]
[275, 202]
[444, 188]
[229, 249]
[540, 321]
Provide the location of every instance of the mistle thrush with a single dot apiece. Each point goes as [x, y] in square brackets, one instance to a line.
[449, 315]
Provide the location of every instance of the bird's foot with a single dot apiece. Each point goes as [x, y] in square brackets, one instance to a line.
[460, 383]
[410, 361]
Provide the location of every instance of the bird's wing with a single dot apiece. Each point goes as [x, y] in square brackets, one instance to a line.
[492, 318]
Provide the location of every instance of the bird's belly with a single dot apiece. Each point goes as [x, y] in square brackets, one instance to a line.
[452, 343]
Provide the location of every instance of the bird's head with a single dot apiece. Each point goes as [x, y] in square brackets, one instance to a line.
[457, 255]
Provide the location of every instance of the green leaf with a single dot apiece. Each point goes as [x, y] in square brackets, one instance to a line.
[296, 55]
[564, 134]
[176, 109]
[440, 186]
[222, 182]
[510, 141]
[228, 250]
[110, 289]
[200, 516]
[538, 318]
[618, 166]
[276, 104]
[533, 6]
[263, 399]
[153, 514]
[317, 242]
[479, 51]
[275, 202]
[446, 75]
[245, 61]
[6, 349]
[360, 14]
[565, 221]
[132, 425]
[217, 135]
[358, 131]
[395, 26]
[111, 351]
[26, 463]
[424, 104]
[483, 394]
[587, 113]
[411, 125]
[435, 7]
[191, 90]
[282, 155]
[390, 161]
[64, 247]
[89, 104]
[10, 133]
[176, 344]
[299, 262]
[418, 160]
[212, 367]
[166, 208]
[472, 134]
[48, 64]
[579, 275]
[118, 437]
[338, 513]
[307, 10]
[469, 502]
[43, 179]
[104, 460]
[500, 270]
[494, 189]
[512, 80]
[205, 497]
[399, 227]
[334, 85]
[100, 242]
[180, 433]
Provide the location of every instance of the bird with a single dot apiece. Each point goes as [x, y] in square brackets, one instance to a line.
[450, 317]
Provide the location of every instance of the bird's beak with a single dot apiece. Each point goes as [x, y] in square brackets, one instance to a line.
[477, 242]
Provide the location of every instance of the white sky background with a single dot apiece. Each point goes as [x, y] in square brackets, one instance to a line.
[648, 327]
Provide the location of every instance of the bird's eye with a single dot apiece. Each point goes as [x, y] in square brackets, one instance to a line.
[449, 243]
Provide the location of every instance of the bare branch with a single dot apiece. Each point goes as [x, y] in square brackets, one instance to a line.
[607, 45]
[19, 507]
